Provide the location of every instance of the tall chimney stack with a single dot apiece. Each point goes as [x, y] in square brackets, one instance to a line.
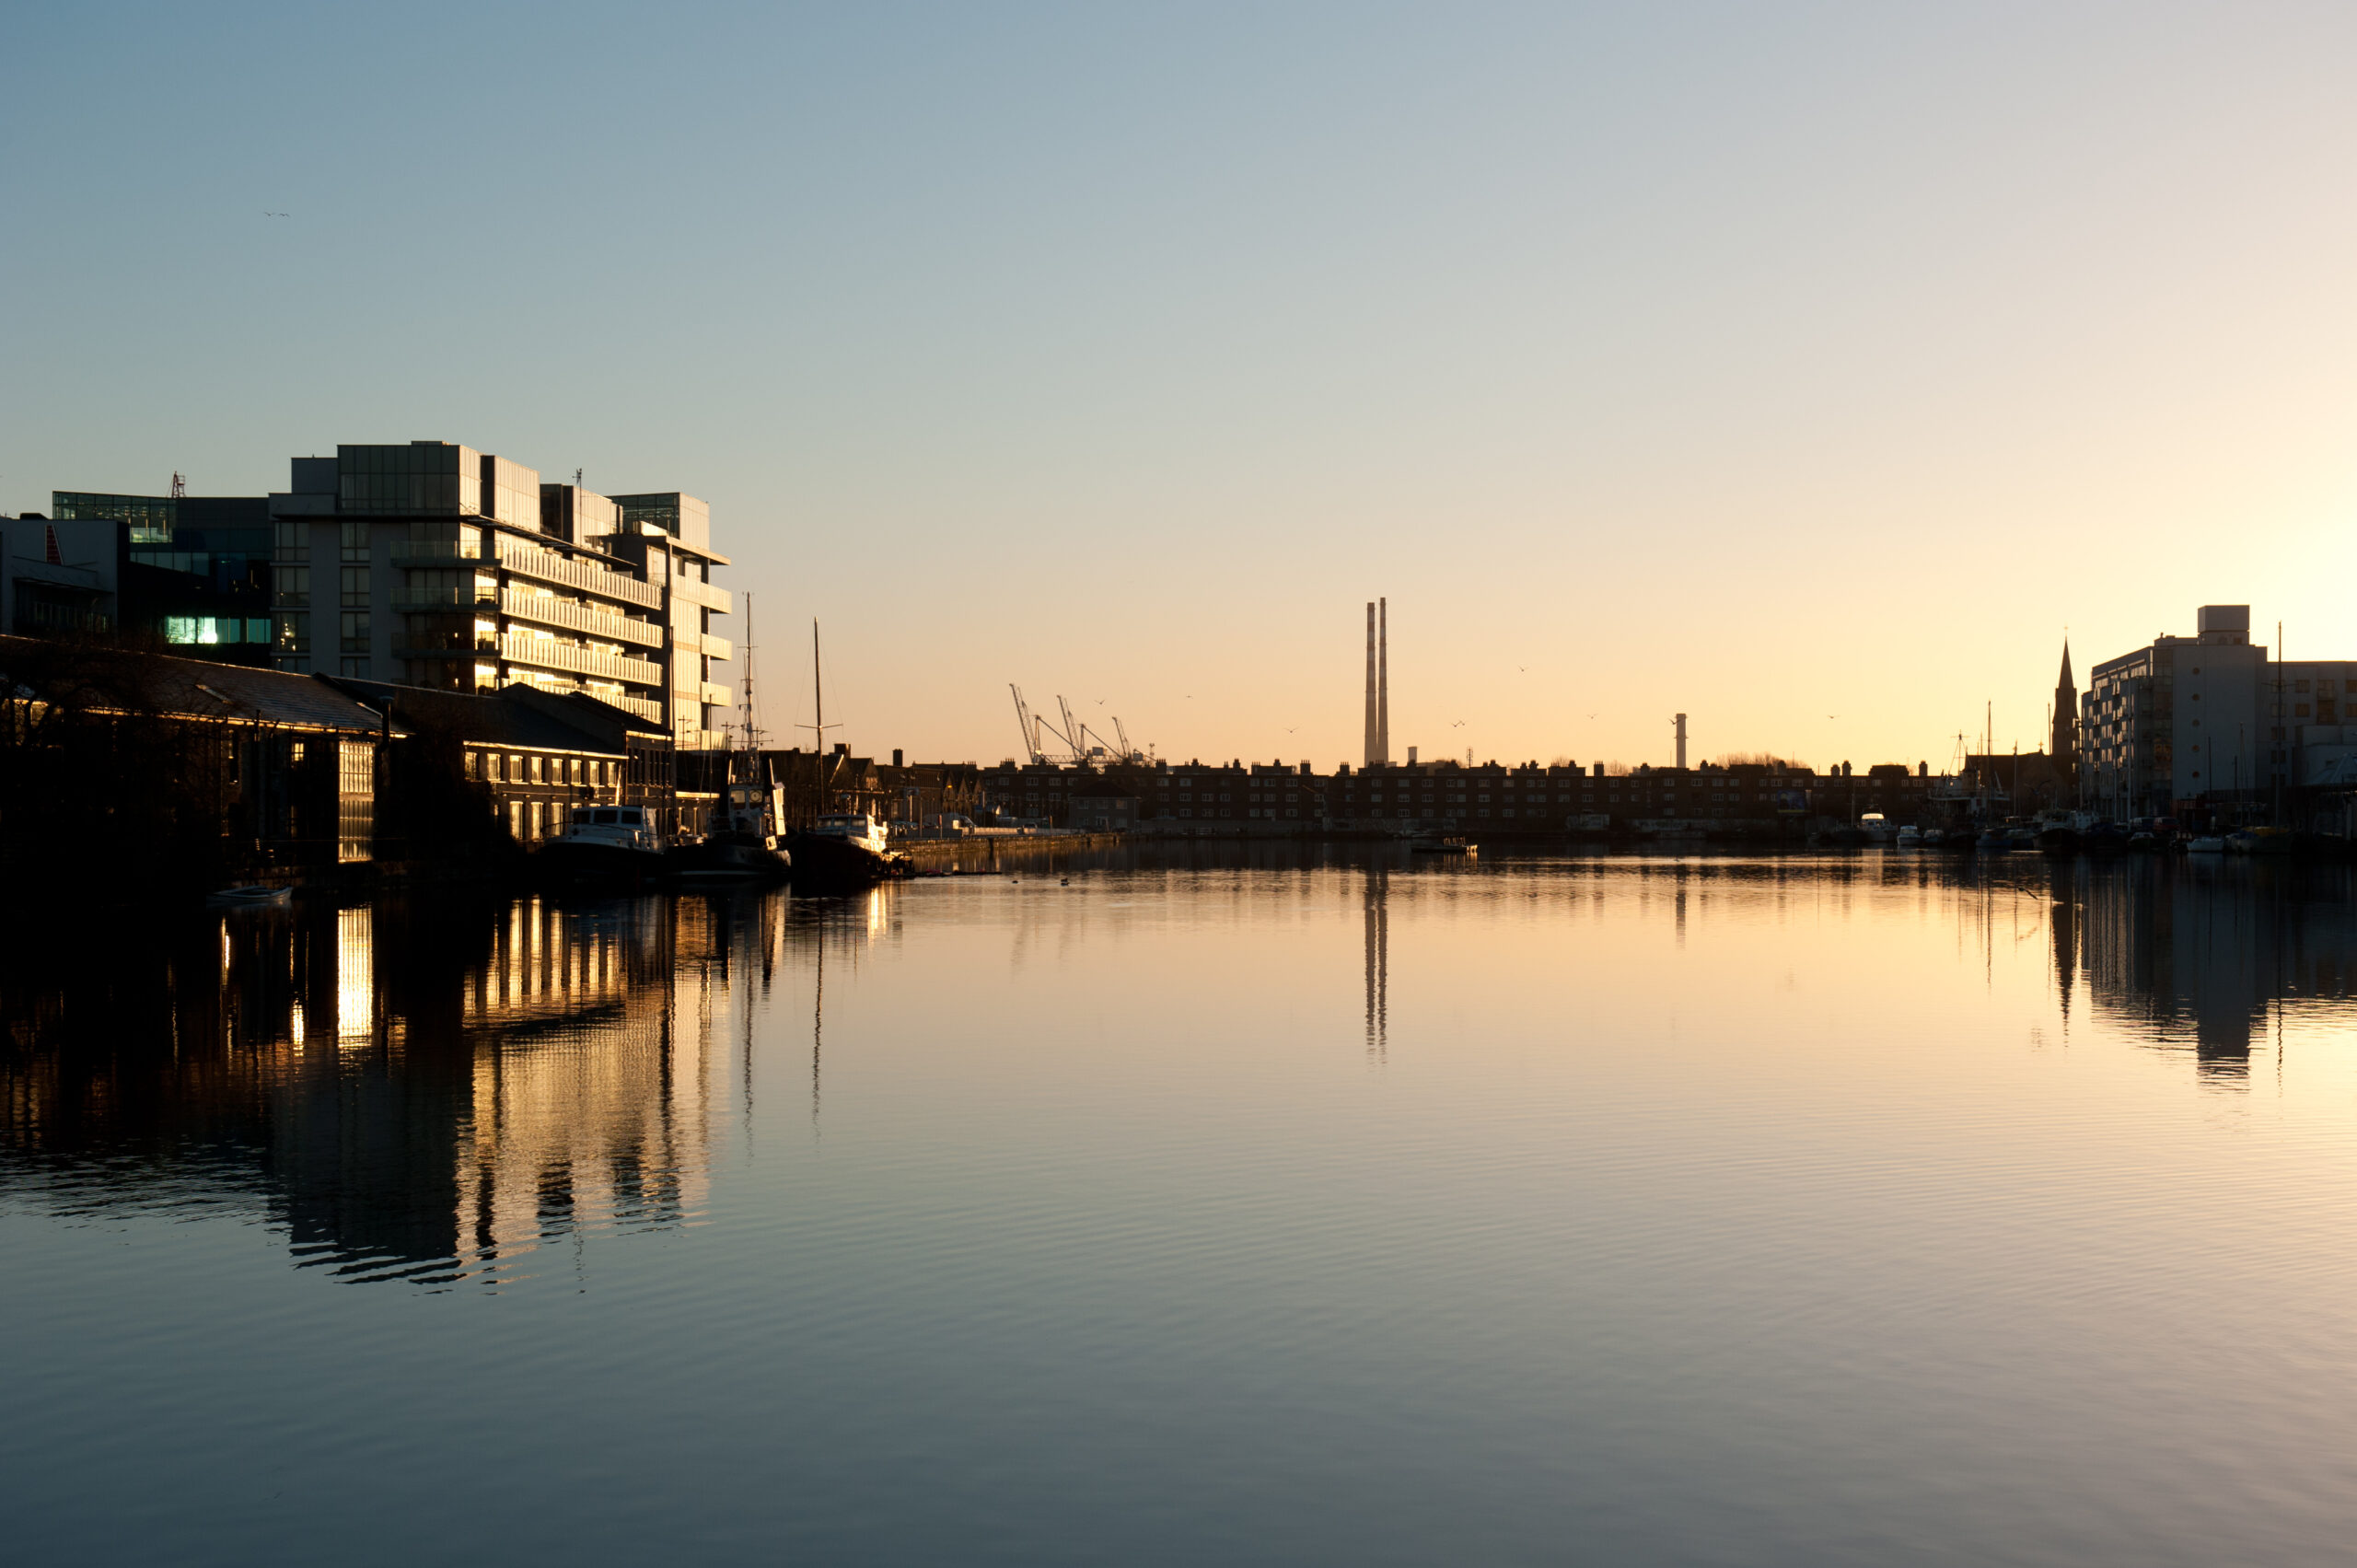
[1383, 684]
[1681, 740]
[1373, 722]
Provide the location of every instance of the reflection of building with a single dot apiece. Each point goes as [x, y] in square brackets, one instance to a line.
[2198, 955]
[412, 1095]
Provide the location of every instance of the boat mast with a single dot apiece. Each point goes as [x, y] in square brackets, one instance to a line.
[818, 731]
[752, 735]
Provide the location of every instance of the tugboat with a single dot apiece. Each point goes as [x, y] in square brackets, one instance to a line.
[844, 849]
[607, 844]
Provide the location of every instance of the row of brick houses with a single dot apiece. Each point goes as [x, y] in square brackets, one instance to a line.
[1448, 797]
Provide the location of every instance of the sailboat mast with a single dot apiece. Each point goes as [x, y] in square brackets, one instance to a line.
[817, 687]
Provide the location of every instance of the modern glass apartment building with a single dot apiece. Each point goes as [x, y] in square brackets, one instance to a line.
[434, 565]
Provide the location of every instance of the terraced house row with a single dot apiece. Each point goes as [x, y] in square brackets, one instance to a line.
[1278, 797]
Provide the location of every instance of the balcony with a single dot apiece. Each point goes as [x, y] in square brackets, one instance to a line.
[522, 648]
[717, 647]
[549, 567]
[574, 616]
[688, 591]
[436, 553]
[713, 694]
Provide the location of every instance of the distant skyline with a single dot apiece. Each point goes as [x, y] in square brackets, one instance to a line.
[1806, 370]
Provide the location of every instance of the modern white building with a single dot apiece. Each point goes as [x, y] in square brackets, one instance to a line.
[434, 565]
[2211, 716]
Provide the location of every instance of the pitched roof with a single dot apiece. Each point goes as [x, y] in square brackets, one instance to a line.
[184, 688]
[513, 715]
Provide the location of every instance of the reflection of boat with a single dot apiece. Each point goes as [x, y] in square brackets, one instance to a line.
[606, 844]
[2207, 843]
[845, 847]
[249, 897]
[1434, 843]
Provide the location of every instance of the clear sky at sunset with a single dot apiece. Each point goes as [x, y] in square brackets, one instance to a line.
[1806, 368]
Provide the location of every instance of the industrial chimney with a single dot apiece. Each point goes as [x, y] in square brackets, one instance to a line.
[1681, 742]
[1378, 682]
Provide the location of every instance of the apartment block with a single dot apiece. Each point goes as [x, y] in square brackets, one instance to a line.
[434, 565]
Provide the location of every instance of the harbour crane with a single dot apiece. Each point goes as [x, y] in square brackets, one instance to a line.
[1030, 727]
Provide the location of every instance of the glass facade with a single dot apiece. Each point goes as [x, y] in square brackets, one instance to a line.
[197, 570]
[511, 493]
[424, 476]
[150, 517]
[211, 630]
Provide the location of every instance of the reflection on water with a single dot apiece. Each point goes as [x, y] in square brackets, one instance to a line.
[1242, 1205]
[415, 1090]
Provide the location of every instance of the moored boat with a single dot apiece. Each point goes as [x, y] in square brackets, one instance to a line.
[741, 844]
[615, 844]
[846, 847]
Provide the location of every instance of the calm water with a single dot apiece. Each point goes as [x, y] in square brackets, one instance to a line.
[1299, 1210]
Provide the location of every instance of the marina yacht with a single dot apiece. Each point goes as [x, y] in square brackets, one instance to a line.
[606, 843]
[844, 847]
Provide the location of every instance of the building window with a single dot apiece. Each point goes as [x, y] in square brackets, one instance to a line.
[352, 633]
[293, 633]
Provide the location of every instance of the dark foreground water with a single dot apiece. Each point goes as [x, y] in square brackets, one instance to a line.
[1615, 1210]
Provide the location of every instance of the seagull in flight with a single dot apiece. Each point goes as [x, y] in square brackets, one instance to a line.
[1459, 724]
[273, 214]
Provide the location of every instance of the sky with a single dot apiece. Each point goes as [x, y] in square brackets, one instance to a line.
[1807, 369]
